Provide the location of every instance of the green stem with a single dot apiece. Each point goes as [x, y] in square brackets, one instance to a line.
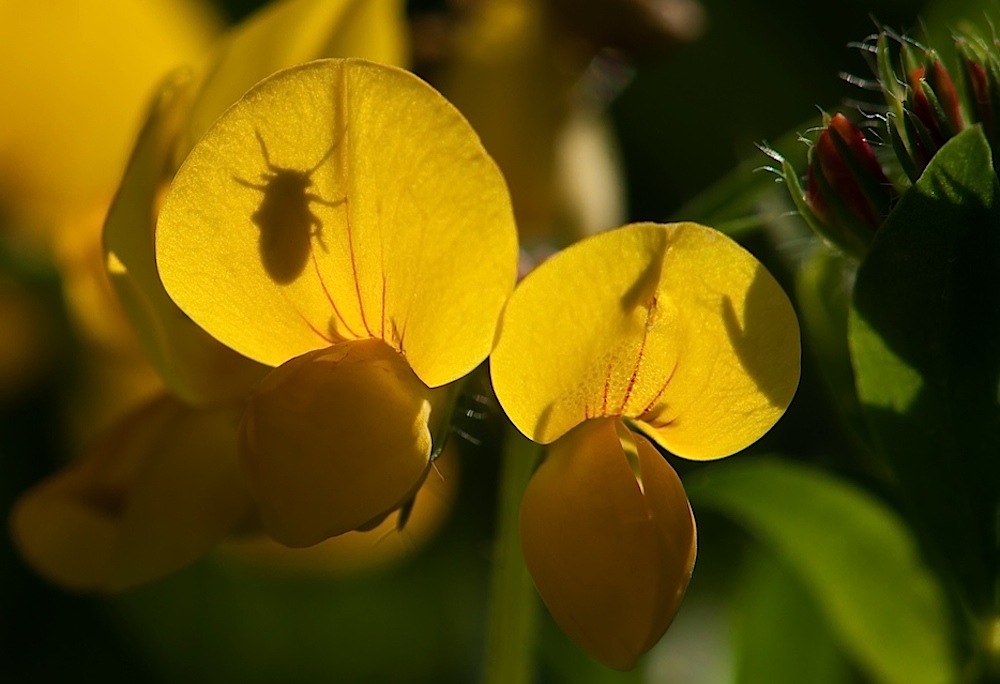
[513, 609]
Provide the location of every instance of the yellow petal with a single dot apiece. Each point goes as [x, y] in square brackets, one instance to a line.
[291, 32]
[194, 365]
[610, 543]
[675, 326]
[355, 552]
[342, 200]
[76, 76]
[334, 440]
[154, 494]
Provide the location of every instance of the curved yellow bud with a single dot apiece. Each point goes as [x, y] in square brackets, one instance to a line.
[334, 440]
[609, 538]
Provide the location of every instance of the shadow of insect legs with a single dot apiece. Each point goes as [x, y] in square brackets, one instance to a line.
[284, 217]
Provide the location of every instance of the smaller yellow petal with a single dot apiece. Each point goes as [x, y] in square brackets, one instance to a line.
[156, 492]
[335, 440]
[673, 325]
[609, 539]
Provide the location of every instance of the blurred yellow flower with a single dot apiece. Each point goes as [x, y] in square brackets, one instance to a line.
[343, 222]
[156, 492]
[683, 335]
[77, 76]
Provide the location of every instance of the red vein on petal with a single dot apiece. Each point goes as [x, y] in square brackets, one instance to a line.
[651, 404]
[638, 359]
[607, 390]
[347, 215]
[329, 298]
[312, 327]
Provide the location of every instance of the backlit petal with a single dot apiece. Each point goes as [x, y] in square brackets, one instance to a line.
[155, 493]
[342, 200]
[675, 326]
[610, 544]
[290, 32]
[334, 440]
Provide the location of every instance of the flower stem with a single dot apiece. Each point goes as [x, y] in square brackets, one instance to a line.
[513, 609]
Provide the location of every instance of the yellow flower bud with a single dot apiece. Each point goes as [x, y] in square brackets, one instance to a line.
[609, 538]
[334, 440]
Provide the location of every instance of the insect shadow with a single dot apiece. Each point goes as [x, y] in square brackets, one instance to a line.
[285, 219]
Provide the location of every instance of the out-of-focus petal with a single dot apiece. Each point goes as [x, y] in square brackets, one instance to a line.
[334, 440]
[154, 494]
[194, 365]
[76, 76]
[342, 200]
[675, 326]
[609, 538]
[291, 32]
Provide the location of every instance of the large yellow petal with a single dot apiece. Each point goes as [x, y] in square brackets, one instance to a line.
[290, 32]
[675, 326]
[194, 365]
[342, 200]
[155, 493]
[334, 440]
[609, 539]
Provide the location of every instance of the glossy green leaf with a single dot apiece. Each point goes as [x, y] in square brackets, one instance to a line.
[925, 343]
[854, 554]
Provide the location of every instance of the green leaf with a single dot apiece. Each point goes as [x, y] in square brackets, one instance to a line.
[854, 554]
[924, 333]
[782, 636]
[823, 284]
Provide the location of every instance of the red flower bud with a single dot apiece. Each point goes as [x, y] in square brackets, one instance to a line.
[932, 98]
[847, 191]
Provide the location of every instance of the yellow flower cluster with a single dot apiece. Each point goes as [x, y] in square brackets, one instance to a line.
[336, 251]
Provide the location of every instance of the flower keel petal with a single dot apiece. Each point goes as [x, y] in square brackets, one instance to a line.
[611, 549]
[334, 440]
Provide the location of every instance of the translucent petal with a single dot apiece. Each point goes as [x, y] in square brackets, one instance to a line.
[195, 366]
[334, 440]
[609, 539]
[283, 34]
[154, 494]
[342, 200]
[674, 326]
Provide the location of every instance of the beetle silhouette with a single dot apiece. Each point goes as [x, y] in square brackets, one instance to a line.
[285, 219]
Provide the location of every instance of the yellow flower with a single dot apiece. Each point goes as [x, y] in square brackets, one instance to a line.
[343, 222]
[676, 331]
[78, 528]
